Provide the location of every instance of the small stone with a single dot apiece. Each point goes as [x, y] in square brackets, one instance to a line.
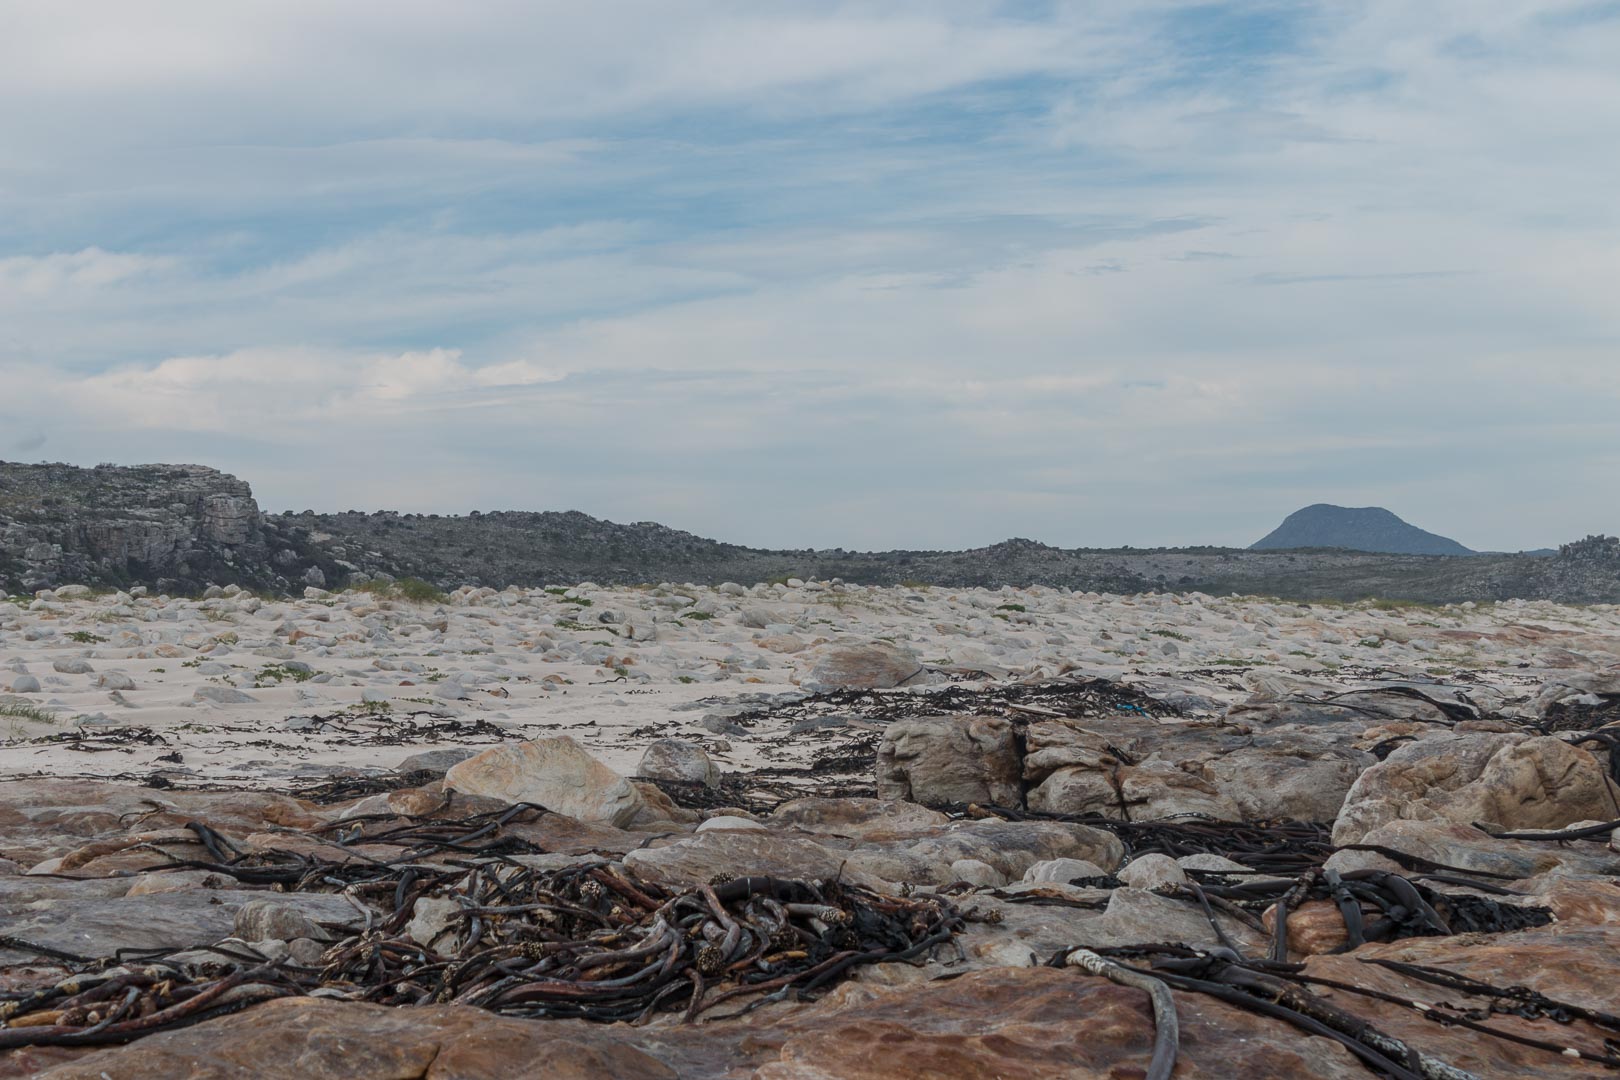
[979, 874]
[266, 920]
[1206, 861]
[434, 761]
[728, 821]
[222, 695]
[433, 919]
[306, 952]
[1063, 871]
[674, 759]
[877, 666]
[1152, 872]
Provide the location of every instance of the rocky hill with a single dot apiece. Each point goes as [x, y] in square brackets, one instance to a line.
[179, 528]
[1365, 528]
[173, 527]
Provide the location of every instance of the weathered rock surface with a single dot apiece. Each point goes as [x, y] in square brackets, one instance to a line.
[950, 759]
[673, 759]
[555, 773]
[1507, 780]
[860, 819]
[1044, 1023]
[725, 853]
[878, 666]
[174, 920]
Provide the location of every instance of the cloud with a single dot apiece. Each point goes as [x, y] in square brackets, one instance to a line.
[52, 277]
[815, 273]
[296, 389]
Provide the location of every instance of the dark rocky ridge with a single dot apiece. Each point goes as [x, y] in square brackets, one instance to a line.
[1365, 528]
[165, 526]
[180, 527]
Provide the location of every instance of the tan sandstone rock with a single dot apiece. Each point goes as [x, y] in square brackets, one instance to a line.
[950, 759]
[555, 773]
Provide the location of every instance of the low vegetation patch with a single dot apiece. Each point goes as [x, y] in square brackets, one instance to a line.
[411, 590]
[20, 711]
[276, 673]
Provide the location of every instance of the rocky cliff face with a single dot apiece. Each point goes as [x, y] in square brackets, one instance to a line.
[170, 526]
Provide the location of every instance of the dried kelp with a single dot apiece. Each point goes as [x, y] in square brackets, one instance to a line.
[588, 939]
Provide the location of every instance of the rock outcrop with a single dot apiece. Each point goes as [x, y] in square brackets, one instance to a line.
[172, 527]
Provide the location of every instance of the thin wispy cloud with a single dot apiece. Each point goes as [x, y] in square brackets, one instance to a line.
[1109, 273]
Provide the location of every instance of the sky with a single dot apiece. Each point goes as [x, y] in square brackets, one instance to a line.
[804, 274]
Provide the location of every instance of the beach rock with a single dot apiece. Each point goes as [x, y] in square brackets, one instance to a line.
[555, 773]
[170, 920]
[72, 665]
[1154, 789]
[950, 759]
[1077, 789]
[1064, 871]
[222, 695]
[673, 759]
[1045, 1023]
[729, 821]
[877, 666]
[1304, 779]
[1203, 860]
[1505, 779]
[434, 761]
[114, 680]
[311, 1039]
[1467, 848]
[1136, 916]
[269, 920]
[726, 854]
[1316, 926]
[976, 873]
[1545, 783]
[432, 919]
[1563, 688]
[1012, 847]
[1152, 871]
[25, 684]
[1576, 964]
[858, 819]
[758, 618]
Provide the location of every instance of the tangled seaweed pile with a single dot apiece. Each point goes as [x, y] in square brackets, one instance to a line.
[588, 940]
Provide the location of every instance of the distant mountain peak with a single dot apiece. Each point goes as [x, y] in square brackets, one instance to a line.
[1363, 528]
